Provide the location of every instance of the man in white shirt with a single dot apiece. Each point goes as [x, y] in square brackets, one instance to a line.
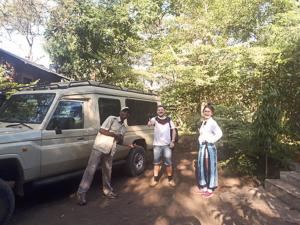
[111, 132]
[164, 139]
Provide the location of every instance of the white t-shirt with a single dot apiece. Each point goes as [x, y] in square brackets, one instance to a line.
[162, 132]
[209, 131]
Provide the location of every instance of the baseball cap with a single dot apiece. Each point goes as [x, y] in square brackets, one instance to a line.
[125, 109]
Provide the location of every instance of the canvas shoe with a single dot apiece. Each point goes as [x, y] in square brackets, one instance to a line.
[208, 194]
[172, 183]
[111, 195]
[153, 182]
[81, 200]
[196, 190]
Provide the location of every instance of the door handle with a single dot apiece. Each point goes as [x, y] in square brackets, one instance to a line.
[80, 138]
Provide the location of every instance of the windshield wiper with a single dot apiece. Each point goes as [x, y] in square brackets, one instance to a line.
[16, 124]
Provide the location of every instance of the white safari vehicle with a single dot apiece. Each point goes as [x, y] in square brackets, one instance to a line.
[47, 133]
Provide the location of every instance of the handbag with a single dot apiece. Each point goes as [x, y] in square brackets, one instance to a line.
[104, 143]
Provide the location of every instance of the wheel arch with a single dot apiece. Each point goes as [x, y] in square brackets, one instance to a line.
[140, 142]
[11, 170]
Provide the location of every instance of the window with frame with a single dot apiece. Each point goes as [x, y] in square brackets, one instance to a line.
[26, 108]
[68, 115]
[108, 107]
[140, 111]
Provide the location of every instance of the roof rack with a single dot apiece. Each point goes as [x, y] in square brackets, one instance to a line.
[72, 84]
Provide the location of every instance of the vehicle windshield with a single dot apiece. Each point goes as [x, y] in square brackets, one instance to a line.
[26, 108]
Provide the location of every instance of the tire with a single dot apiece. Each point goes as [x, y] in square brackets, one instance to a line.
[7, 202]
[136, 161]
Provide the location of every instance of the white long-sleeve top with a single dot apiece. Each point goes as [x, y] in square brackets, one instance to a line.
[209, 131]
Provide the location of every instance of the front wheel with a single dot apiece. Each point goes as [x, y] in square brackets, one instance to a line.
[7, 202]
[136, 161]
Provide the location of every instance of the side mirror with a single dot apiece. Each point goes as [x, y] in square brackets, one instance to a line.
[58, 130]
[55, 124]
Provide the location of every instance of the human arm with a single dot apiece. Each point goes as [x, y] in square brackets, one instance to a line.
[118, 137]
[151, 122]
[216, 133]
[106, 129]
[173, 134]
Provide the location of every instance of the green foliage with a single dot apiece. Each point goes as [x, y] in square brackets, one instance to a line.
[240, 55]
[7, 85]
[235, 147]
[245, 56]
[90, 41]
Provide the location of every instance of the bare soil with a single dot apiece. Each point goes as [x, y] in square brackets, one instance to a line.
[236, 201]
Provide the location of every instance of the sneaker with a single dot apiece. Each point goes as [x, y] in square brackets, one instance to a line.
[111, 195]
[153, 182]
[172, 183]
[81, 199]
[208, 194]
[196, 190]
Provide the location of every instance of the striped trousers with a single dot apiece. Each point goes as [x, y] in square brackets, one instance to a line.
[207, 175]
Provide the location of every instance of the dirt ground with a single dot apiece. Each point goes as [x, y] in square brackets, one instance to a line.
[236, 201]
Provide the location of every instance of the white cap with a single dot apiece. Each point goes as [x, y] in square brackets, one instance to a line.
[125, 109]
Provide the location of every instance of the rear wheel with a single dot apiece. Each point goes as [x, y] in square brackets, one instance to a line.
[7, 202]
[136, 161]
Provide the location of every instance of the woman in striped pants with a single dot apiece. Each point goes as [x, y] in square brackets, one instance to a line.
[207, 175]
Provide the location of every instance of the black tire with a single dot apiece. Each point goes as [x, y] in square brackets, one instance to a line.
[136, 161]
[7, 202]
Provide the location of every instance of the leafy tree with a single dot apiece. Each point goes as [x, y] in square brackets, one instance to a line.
[242, 55]
[102, 40]
[236, 54]
[24, 17]
[92, 41]
[6, 78]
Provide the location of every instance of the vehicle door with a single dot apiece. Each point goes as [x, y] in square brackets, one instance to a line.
[141, 112]
[65, 144]
[107, 107]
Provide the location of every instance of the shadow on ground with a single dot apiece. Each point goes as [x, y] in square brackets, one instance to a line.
[233, 203]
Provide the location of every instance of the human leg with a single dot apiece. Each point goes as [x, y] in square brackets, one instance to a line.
[167, 153]
[106, 166]
[88, 176]
[157, 151]
[201, 178]
[213, 179]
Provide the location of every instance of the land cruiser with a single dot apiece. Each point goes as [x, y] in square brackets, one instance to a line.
[47, 133]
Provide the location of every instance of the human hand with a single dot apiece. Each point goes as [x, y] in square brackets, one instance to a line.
[149, 124]
[119, 138]
[172, 145]
[131, 146]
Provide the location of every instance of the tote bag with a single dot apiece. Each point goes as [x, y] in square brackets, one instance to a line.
[104, 143]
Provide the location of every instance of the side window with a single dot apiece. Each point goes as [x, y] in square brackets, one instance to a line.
[108, 107]
[141, 111]
[68, 115]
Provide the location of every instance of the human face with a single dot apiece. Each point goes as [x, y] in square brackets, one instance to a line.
[124, 115]
[207, 113]
[160, 111]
